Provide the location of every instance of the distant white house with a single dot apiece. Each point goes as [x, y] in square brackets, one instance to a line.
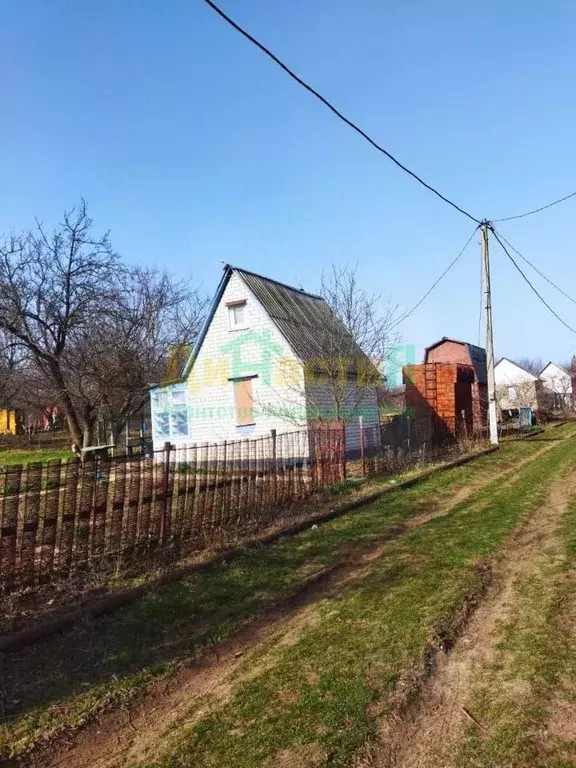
[557, 384]
[260, 364]
[515, 386]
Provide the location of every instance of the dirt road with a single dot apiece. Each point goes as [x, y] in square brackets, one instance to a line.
[134, 733]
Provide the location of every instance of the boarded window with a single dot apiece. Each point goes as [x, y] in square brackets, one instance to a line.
[244, 401]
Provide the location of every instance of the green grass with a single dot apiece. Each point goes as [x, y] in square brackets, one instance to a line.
[17, 456]
[376, 628]
[318, 691]
[537, 656]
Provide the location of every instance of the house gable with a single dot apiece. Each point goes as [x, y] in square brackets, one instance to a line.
[508, 372]
[556, 379]
[276, 330]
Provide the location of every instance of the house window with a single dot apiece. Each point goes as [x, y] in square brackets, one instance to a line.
[243, 402]
[159, 400]
[237, 315]
[179, 423]
[178, 395]
[161, 426]
[512, 393]
[170, 413]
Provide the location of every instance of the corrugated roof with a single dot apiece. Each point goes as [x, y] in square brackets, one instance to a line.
[305, 320]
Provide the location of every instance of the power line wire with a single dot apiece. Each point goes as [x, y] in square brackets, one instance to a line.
[535, 268]
[333, 109]
[435, 283]
[542, 299]
[536, 210]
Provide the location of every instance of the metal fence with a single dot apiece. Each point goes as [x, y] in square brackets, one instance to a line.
[57, 516]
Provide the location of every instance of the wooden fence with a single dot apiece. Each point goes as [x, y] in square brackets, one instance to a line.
[402, 441]
[61, 515]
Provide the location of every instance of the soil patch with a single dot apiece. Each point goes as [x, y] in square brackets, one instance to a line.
[428, 732]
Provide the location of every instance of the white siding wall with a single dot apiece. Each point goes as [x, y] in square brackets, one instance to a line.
[556, 380]
[355, 403]
[514, 386]
[264, 353]
[506, 373]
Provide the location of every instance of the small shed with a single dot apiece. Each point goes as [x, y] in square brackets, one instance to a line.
[453, 351]
[442, 391]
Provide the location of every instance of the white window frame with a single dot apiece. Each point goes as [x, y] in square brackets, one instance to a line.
[232, 324]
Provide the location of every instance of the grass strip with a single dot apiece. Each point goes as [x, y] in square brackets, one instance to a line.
[526, 699]
[56, 683]
[316, 699]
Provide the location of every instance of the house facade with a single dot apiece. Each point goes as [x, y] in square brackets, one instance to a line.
[261, 363]
[556, 387]
[462, 353]
[515, 386]
[10, 421]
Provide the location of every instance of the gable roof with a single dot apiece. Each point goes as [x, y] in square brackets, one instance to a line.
[305, 320]
[560, 368]
[477, 356]
[520, 367]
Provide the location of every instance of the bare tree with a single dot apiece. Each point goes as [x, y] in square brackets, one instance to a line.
[531, 364]
[114, 360]
[518, 394]
[12, 362]
[95, 330]
[368, 320]
[351, 347]
[368, 317]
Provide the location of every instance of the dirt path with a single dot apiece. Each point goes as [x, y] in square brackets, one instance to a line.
[427, 736]
[121, 736]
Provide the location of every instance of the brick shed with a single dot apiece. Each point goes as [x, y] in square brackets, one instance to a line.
[442, 391]
[452, 351]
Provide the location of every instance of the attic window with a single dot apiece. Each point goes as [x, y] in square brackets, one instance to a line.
[237, 315]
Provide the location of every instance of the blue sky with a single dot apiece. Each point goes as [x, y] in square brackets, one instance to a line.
[191, 146]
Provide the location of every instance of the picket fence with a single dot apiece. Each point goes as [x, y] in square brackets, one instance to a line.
[60, 515]
[57, 517]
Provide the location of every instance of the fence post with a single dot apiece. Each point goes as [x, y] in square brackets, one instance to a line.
[343, 449]
[166, 479]
[274, 467]
[362, 451]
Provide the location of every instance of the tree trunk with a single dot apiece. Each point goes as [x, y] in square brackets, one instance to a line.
[88, 423]
[65, 402]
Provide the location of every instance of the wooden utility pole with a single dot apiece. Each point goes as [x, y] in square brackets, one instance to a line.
[487, 304]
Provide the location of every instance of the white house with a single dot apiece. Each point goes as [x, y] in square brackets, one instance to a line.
[515, 386]
[557, 383]
[260, 364]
